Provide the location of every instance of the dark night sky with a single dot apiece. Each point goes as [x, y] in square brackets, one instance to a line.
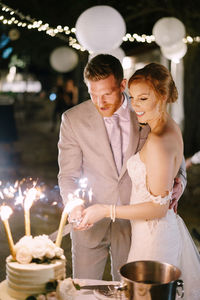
[140, 16]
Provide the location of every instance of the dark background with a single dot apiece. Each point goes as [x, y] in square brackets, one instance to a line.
[140, 17]
[34, 153]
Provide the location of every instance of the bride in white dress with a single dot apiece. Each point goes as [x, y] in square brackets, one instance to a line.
[157, 232]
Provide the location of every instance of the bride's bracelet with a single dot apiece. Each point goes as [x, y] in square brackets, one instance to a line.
[113, 212]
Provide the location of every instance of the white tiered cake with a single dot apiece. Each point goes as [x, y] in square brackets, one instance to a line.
[24, 280]
[25, 277]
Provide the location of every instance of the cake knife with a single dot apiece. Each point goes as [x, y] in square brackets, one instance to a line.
[101, 287]
[66, 231]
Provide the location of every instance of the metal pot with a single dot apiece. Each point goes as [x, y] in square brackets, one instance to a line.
[151, 280]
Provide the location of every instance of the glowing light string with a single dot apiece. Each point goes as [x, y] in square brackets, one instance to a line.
[65, 33]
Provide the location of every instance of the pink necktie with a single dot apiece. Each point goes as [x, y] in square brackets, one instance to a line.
[116, 141]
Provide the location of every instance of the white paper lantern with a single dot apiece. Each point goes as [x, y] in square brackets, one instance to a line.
[168, 31]
[118, 53]
[100, 28]
[14, 34]
[175, 52]
[63, 59]
[127, 62]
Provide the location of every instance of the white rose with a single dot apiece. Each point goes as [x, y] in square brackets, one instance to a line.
[59, 251]
[24, 241]
[51, 248]
[50, 251]
[66, 290]
[42, 238]
[23, 255]
[48, 244]
[48, 241]
[63, 257]
[39, 248]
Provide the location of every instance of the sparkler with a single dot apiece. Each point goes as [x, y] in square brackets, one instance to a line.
[5, 212]
[71, 204]
[74, 200]
[90, 193]
[83, 182]
[28, 196]
[28, 201]
[25, 198]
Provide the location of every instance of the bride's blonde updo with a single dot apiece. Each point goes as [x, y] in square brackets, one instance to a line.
[160, 79]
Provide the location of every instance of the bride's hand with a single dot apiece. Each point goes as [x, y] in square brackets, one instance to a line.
[93, 214]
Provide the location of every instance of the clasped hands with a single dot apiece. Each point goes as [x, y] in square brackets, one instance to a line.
[84, 218]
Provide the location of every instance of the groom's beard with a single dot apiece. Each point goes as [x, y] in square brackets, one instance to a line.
[108, 109]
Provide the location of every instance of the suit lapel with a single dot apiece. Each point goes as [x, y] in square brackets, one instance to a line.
[137, 138]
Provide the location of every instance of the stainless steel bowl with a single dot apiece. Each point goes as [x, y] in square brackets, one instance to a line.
[151, 280]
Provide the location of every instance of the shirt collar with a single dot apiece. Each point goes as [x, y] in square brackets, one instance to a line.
[123, 110]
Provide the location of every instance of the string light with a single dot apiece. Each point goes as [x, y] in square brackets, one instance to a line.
[24, 21]
[64, 33]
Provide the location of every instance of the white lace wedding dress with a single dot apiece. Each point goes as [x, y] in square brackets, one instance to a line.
[164, 240]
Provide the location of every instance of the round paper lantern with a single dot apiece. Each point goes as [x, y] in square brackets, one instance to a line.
[63, 59]
[118, 53]
[100, 28]
[168, 31]
[14, 34]
[175, 52]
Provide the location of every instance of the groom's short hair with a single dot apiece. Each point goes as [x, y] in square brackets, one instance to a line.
[102, 66]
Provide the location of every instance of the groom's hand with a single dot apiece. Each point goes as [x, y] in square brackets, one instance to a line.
[93, 214]
[176, 194]
[75, 216]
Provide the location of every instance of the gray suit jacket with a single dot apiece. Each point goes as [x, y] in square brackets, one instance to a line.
[84, 151]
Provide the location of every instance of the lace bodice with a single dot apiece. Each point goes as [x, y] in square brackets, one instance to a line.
[137, 172]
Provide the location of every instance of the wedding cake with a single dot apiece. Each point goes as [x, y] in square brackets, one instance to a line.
[38, 261]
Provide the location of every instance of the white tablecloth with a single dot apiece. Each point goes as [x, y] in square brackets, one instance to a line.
[81, 295]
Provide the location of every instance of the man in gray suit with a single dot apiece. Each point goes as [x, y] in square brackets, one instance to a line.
[85, 150]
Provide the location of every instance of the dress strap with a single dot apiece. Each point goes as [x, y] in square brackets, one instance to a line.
[161, 200]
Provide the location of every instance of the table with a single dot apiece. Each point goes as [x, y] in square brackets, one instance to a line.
[81, 295]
